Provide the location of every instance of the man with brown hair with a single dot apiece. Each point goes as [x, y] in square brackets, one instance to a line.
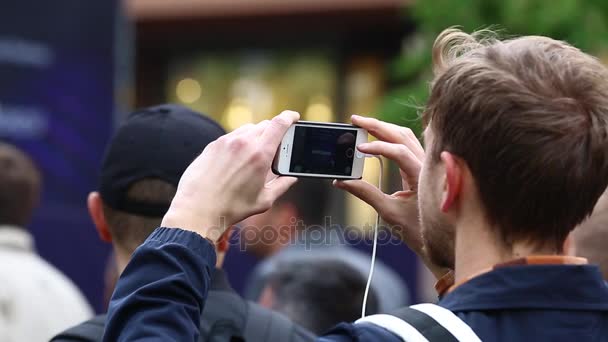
[33, 293]
[517, 134]
[517, 141]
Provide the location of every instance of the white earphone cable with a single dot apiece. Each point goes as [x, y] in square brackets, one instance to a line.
[375, 243]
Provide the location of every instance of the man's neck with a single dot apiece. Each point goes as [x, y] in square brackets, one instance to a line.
[122, 259]
[478, 248]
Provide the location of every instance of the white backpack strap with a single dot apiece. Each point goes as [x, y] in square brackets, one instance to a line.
[395, 325]
[424, 323]
[450, 321]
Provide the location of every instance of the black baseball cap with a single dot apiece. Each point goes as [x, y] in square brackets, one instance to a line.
[156, 142]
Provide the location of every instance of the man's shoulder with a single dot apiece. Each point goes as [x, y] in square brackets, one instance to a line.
[245, 318]
[544, 296]
[227, 310]
[19, 267]
[87, 331]
[539, 287]
[279, 326]
[59, 303]
[360, 332]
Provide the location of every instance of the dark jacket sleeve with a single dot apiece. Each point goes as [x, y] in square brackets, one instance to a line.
[161, 293]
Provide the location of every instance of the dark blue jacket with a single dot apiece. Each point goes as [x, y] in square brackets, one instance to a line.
[226, 317]
[162, 291]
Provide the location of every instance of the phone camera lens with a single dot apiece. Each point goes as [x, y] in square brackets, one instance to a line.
[349, 153]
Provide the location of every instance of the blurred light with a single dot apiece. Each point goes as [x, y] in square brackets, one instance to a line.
[360, 214]
[360, 84]
[319, 110]
[238, 114]
[188, 90]
[257, 94]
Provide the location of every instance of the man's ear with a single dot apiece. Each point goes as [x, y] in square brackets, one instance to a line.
[95, 205]
[224, 241]
[453, 181]
[284, 214]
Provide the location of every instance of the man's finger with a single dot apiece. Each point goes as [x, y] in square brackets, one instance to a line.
[367, 192]
[390, 133]
[384, 130]
[274, 189]
[270, 176]
[275, 130]
[255, 131]
[242, 129]
[401, 154]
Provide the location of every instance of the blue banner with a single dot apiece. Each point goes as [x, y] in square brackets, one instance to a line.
[57, 103]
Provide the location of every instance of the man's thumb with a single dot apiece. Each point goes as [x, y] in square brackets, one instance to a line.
[363, 190]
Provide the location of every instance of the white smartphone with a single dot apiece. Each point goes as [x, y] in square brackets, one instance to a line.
[321, 150]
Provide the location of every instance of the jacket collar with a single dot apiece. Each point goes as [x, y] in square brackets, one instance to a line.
[16, 238]
[563, 287]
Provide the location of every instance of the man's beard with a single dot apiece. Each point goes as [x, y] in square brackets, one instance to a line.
[438, 242]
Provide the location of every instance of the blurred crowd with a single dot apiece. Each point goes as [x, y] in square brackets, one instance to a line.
[504, 205]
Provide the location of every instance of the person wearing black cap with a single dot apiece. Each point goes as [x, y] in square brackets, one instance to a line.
[139, 177]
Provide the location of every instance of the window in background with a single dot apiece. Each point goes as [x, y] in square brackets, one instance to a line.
[363, 91]
[236, 88]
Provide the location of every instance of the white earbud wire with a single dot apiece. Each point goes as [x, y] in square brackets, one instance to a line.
[375, 243]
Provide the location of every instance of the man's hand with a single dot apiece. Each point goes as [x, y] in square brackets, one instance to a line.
[400, 209]
[231, 179]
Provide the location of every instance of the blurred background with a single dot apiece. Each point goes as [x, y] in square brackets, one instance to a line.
[70, 70]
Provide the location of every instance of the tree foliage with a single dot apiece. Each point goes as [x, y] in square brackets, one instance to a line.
[583, 23]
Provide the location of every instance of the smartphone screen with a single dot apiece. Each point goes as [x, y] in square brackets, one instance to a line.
[321, 150]
[318, 150]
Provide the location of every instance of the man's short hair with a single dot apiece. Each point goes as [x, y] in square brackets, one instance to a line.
[131, 230]
[319, 293]
[529, 116]
[19, 186]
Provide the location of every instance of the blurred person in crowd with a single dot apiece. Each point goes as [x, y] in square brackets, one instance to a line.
[317, 293]
[516, 136]
[296, 228]
[36, 300]
[139, 177]
[590, 239]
